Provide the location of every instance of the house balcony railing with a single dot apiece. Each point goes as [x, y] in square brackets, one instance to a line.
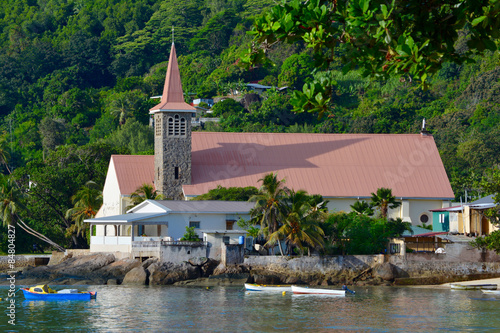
[183, 243]
[111, 240]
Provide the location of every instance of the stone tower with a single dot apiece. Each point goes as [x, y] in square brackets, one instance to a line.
[172, 131]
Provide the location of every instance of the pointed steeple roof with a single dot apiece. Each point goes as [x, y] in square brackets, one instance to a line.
[173, 96]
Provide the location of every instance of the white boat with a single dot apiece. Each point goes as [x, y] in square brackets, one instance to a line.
[491, 292]
[316, 291]
[457, 286]
[271, 288]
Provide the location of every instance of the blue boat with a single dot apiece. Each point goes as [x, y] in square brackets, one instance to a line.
[45, 293]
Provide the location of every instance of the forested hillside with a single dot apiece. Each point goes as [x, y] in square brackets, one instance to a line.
[76, 79]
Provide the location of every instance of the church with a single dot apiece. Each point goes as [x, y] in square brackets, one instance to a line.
[343, 168]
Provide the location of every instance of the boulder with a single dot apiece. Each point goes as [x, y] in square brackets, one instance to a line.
[383, 271]
[137, 275]
[169, 273]
[148, 262]
[237, 272]
[117, 270]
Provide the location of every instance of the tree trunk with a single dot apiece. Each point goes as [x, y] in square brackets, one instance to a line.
[38, 235]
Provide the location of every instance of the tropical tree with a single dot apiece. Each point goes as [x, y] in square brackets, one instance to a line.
[381, 38]
[10, 201]
[4, 154]
[300, 226]
[143, 193]
[269, 205]
[384, 200]
[362, 207]
[86, 203]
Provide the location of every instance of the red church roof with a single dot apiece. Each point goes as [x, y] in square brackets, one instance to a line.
[132, 171]
[333, 165]
[173, 96]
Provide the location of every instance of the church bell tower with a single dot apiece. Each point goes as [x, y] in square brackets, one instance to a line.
[172, 133]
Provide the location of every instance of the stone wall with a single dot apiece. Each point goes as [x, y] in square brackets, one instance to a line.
[180, 253]
[232, 254]
[328, 268]
[414, 268]
[21, 261]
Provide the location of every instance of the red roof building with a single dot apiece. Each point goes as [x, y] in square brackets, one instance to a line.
[342, 168]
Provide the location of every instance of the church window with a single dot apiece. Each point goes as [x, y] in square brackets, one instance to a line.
[176, 172]
[170, 126]
[183, 126]
[176, 126]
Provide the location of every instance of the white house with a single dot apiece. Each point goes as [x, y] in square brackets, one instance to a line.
[162, 223]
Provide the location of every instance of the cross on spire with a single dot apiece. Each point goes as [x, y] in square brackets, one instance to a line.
[172, 34]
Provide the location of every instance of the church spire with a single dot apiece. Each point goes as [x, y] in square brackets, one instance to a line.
[173, 96]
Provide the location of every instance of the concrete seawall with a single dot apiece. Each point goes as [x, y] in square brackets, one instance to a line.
[412, 269]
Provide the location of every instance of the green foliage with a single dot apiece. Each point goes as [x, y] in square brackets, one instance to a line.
[384, 200]
[144, 192]
[381, 38]
[229, 194]
[226, 108]
[190, 235]
[489, 242]
[360, 234]
[133, 135]
[362, 207]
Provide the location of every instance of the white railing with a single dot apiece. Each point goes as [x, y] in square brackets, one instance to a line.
[111, 240]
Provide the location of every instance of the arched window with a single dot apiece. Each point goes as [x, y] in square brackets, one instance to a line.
[176, 126]
[170, 126]
[183, 126]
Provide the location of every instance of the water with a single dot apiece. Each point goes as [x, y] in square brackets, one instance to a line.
[231, 309]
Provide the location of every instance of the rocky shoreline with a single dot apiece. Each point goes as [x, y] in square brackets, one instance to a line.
[101, 269]
[106, 269]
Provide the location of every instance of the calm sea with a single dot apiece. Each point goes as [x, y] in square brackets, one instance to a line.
[231, 309]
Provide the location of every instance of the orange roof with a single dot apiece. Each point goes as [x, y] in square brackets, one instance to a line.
[333, 165]
[173, 96]
[132, 171]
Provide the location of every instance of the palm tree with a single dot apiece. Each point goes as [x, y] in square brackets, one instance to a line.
[362, 208]
[10, 201]
[4, 154]
[144, 192]
[269, 203]
[384, 200]
[86, 203]
[300, 224]
[122, 107]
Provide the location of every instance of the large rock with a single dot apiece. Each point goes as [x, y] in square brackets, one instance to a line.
[383, 271]
[77, 268]
[169, 273]
[137, 275]
[83, 265]
[237, 272]
[116, 270]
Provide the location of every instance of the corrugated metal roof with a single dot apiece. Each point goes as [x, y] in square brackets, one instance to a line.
[173, 96]
[132, 171]
[485, 200]
[124, 218]
[333, 165]
[209, 206]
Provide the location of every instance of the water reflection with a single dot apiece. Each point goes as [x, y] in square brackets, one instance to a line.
[231, 309]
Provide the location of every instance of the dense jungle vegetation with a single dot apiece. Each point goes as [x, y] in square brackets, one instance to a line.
[76, 79]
